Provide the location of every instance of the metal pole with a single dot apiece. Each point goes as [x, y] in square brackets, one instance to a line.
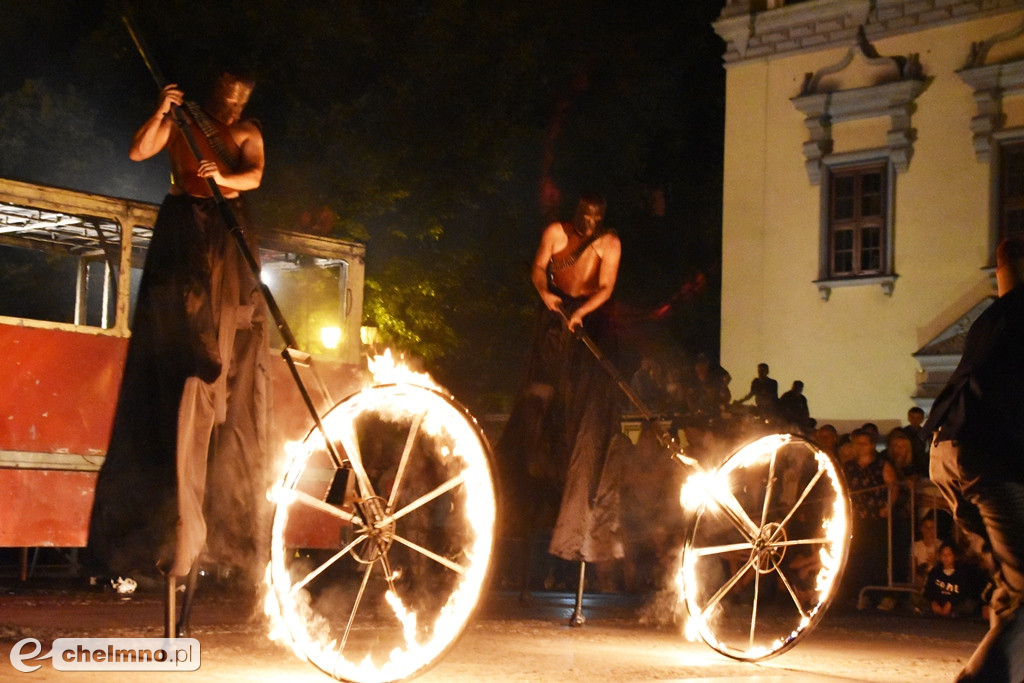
[170, 612]
[577, 619]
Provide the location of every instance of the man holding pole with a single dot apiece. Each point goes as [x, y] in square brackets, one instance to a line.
[561, 430]
[188, 449]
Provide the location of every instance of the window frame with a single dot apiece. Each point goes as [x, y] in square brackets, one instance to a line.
[884, 275]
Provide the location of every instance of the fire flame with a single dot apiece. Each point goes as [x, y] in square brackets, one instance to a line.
[712, 495]
[375, 541]
[388, 370]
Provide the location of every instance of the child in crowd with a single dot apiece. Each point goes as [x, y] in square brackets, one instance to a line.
[952, 587]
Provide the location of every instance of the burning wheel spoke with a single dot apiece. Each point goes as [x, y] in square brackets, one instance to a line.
[379, 594]
[316, 503]
[432, 555]
[300, 584]
[753, 589]
[724, 589]
[414, 430]
[352, 614]
[422, 500]
[723, 549]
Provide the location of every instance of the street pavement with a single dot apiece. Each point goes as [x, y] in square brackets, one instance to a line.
[508, 640]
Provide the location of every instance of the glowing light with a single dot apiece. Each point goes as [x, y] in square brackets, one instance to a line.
[330, 337]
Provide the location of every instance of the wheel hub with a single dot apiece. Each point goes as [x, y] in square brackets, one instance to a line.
[767, 547]
[380, 533]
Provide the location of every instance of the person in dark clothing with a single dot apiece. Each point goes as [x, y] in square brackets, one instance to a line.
[977, 460]
[184, 473]
[870, 479]
[556, 452]
[793, 409]
[765, 392]
[952, 588]
[919, 438]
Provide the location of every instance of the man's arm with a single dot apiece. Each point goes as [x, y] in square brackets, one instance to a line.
[152, 136]
[249, 174]
[539, 273]
[611, 254]
[745, 398]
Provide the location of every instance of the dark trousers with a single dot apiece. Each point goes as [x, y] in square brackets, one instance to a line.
[991, 505]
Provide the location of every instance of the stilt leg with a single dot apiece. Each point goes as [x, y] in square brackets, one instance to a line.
[170, 610]
[577, 618]
[186, 603]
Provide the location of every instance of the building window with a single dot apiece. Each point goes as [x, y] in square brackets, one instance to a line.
[857, 221]
[1011, 190]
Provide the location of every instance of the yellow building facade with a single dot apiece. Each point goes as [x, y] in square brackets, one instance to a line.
[874, 155]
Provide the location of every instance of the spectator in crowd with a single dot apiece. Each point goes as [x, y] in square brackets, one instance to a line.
[952, 587]
[648, 383]
[708, 395]
[926, 549]
[793, 410]
[765, 392]
[827, 439]
[871, 479]
[919, 437]
[899, 452]
[872, 430]
[844, 447]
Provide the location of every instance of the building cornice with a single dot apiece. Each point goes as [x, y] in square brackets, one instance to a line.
[753, 32]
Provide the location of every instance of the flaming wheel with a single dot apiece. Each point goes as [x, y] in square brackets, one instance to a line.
[377, 565]
[767, 545]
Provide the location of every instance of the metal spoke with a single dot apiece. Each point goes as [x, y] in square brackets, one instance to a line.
[299, 585]
[803, 496]
[421, 501]
[355, 608]
[721, 549]
[413, 432]
[389, 576]
[727, 586]
[798, 541]
[753, 610]
[768, 488]
[431, 554]
[789, 588]
[314, 502]
[734, 512]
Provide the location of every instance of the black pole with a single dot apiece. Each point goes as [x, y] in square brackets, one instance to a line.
[664, 437]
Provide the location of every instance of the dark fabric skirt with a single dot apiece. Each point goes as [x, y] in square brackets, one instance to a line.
[556, 455]
[186, 463]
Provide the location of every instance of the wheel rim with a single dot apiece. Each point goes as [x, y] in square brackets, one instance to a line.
[376, 567]
[764, 556]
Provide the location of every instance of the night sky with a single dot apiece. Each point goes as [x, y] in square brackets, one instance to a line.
[426, 130]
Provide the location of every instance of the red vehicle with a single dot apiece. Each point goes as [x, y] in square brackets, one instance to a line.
[72, 263]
